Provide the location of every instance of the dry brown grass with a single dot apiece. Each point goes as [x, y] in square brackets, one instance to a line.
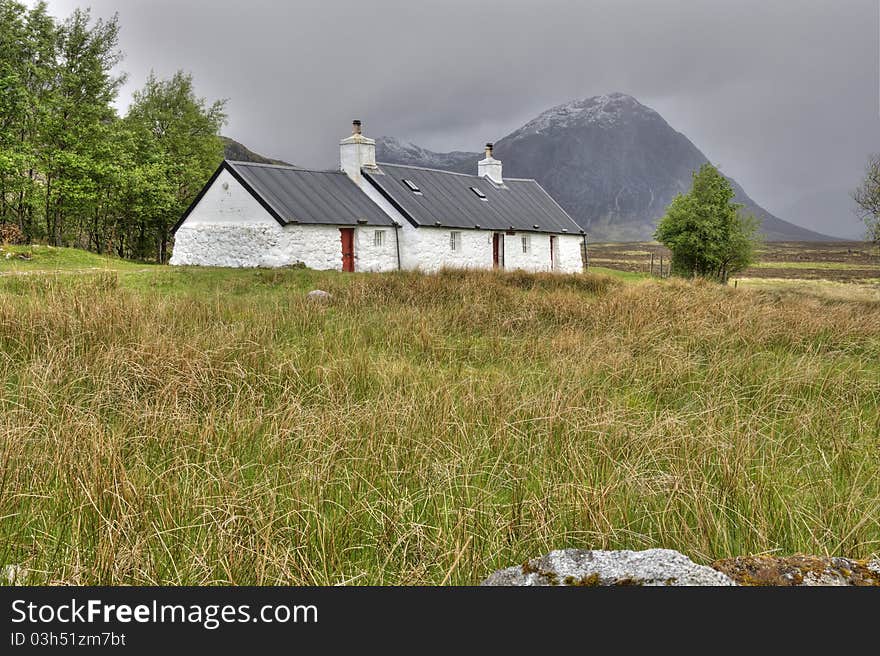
[199, 427]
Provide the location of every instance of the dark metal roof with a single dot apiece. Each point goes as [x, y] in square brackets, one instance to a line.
[294, 195]
[302, 196]
[447, 200]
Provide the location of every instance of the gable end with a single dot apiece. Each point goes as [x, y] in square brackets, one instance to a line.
[224, 166]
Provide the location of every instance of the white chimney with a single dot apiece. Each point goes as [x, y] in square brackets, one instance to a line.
[490, 167]
[357, 152]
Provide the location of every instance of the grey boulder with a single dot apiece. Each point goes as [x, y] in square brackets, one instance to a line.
[319, 295]
[579, 567]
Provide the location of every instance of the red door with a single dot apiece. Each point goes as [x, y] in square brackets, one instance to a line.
[347, 248]
[496, 250]
[554, 256]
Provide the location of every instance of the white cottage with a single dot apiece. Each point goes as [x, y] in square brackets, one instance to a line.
[371, 216]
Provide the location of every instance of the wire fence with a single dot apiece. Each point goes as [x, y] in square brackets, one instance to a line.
[659, 266]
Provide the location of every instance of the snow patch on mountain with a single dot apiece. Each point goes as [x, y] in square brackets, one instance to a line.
[606, 111]
[394, 151]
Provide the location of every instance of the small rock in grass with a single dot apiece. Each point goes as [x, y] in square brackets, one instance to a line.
[319, 295]
[13, 575]
[579, 567]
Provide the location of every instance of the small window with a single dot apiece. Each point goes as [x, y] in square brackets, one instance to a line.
[455, 241]
[527, 243]
[413, 187]
[479, 194]
[379, 238]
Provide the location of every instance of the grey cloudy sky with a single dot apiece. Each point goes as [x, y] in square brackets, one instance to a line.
[782, 94]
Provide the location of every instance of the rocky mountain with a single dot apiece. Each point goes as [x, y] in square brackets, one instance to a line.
[611, 162]
[395, 151]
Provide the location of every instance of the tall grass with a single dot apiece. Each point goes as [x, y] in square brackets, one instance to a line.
[218, 427]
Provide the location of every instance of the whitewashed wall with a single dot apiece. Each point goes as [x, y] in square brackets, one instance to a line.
[368, 256]
[536, 259]
[538, 256]
[570, 260]
[229, 228]
[233, 205]
[429, 249]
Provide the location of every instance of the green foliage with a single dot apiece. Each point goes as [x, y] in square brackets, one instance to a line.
[178, 148]
[705, 231]
[867, 198]
[74, 173]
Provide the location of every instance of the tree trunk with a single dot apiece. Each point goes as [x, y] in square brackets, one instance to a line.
[163, 244]
[50, 229]
[141, 246]
[59, 224]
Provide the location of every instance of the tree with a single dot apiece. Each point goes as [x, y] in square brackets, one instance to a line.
[71, 171]
[705, 230]
[28, 55]
[76, 126]
[178, 134]
[867, 197]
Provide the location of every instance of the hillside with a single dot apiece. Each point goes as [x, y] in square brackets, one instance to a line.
[611, 162]
[238, 152]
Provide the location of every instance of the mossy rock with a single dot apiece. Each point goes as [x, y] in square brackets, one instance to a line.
[799, 570]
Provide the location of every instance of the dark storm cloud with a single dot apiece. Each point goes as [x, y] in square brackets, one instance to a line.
[782, 94]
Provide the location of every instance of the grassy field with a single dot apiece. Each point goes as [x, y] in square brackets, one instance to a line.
[168, 426]
[42, 259]
[837, 261]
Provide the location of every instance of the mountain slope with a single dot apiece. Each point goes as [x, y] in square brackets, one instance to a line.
[611, 162]
[235, 151]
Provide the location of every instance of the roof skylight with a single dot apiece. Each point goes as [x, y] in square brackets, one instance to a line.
[479, 194]
[413, 187]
